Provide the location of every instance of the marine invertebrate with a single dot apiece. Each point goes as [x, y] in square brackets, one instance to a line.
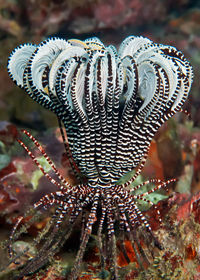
[111, 104]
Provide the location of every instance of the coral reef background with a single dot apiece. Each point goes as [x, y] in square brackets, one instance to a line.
[169, 22]
[175, 152]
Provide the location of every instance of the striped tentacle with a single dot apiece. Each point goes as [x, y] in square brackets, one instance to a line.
[67, 197]
[85, 132]
[102, 131]
[97, 126]
[99, 234]
[153, 122]
[140, 125]
[53, 181]
[60, 83]
[72, 121]
[125, 133]
[71, 93]
[134, 214]
[161, 184]
[141, 197]
[109, 101]
[123, 221]
[127, 225]
[89, 87]
[115, 121]
[111, 216]
[87, 233]
[50, 200]
[139, 142]
[131, 106]
[98, 133]
[141, 129]
[130, 90]
[41, 149]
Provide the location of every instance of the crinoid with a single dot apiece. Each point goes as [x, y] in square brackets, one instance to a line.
[111, 104]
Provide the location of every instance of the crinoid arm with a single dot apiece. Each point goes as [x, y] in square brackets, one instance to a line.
[108, 206]
[69, 201]
[110, 103]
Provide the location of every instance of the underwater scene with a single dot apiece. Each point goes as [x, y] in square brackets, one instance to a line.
[99, 139]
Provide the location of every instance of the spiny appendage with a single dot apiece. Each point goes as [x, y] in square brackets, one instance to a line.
[117, 204]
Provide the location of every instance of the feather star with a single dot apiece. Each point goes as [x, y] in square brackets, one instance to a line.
[111, 103]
